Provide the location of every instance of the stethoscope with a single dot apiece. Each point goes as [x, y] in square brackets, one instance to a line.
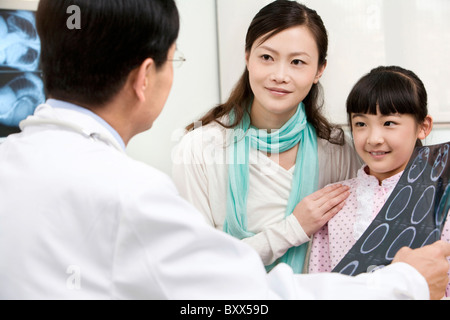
[32, 122]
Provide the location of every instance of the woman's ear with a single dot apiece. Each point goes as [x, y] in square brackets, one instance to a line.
[425, 128]
[247, 58]
[320, 72]
[142, 79]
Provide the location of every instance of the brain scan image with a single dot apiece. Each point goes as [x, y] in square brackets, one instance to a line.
[375, 239]
[418, 165]
[399, 204]
[21, 85]
[20, 47]
[424, 205]
[440, 163]
[19, 98]
[443, 207]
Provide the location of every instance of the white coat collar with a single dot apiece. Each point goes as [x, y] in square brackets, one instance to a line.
[88, 124]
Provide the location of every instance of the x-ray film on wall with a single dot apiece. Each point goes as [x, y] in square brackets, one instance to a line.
[21, 86]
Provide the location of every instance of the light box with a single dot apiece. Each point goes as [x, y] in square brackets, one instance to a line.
[21, 84]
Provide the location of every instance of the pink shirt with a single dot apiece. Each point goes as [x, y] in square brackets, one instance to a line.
[367, 197]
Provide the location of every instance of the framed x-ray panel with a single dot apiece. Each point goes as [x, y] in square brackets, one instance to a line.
[21, 85]
[363, 34]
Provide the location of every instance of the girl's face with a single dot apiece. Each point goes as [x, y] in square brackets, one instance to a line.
[386, 142]
[282, 71]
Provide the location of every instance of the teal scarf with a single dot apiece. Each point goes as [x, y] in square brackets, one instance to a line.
[296, 130]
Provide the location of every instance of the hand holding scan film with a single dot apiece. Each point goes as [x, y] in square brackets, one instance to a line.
[414, 215]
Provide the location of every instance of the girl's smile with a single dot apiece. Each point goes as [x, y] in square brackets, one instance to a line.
[378, 154]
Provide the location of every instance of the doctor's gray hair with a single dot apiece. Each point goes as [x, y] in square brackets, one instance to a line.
[90, 64]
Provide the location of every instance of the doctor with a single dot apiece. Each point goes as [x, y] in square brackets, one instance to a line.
[81, 220]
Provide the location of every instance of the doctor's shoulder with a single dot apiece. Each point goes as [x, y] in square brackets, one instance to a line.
[123, 178]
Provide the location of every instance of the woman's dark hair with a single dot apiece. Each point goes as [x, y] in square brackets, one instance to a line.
[89, 66]
[389, 90]
[271, 20]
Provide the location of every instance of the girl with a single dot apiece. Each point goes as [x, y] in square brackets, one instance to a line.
[388, 114]
[258, 155]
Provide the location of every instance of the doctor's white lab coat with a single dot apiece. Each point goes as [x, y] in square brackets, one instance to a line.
[81, 220]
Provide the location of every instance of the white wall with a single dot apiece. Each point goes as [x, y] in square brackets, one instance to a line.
[195, 89]
[440, 134]
[198, 83]
[19, 4]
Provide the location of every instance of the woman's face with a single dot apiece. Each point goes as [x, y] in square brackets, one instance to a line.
[282, 71]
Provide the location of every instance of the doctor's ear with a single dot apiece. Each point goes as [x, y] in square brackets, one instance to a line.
[141, 80]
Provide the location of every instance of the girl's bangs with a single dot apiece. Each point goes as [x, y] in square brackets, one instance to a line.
[385, 93]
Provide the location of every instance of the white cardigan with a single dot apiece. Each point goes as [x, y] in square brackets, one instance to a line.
[200, 172]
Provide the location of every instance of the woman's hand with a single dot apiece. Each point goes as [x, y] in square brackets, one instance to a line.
[315, 210]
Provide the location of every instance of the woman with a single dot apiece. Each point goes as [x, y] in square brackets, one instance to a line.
[255, 163]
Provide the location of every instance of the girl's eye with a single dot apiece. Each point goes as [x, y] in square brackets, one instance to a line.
[359, 124]
[266, 57]
[297, 62]
[389, 123]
